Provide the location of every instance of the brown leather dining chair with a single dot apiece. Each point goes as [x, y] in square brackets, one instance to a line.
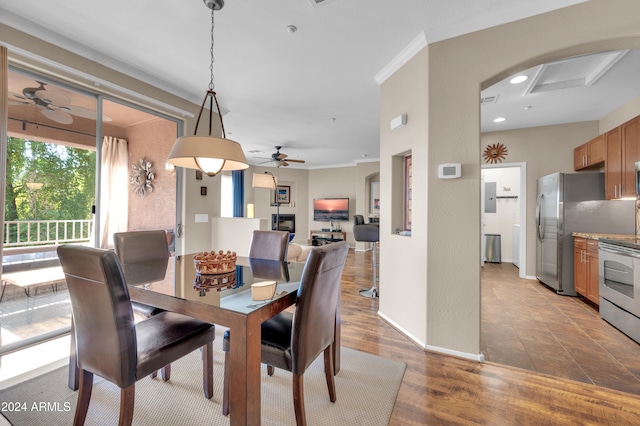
[293, 341]
[143, 256]
[270, 245]
[265, 245]
[108, 341]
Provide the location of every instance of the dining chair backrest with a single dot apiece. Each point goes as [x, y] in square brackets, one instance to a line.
[103, 318]
[143, 255]
[358, 219]
[318, 297]
[270, 245]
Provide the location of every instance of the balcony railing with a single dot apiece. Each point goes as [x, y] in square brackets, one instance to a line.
[46, 232]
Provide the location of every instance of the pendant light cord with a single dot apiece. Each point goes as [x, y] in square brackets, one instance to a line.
[211, 85]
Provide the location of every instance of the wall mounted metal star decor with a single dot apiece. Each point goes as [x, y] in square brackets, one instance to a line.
[495, 153]
[142, 175]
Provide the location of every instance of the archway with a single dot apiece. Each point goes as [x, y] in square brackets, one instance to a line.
[603, 124]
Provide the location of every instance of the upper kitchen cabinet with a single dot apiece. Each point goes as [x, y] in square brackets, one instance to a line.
[590, 154]
[622, 146]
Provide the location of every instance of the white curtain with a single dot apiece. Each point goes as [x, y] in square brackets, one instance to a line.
[114, 194]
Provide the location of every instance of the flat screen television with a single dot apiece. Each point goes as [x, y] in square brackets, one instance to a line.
[328, 209]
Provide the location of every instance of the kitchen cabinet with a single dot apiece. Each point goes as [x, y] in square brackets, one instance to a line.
[589, 154]
[593, 280]
[579, 265]
[622, 151]
[585, 268]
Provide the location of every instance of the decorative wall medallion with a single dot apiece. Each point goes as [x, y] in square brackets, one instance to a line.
[142, 174]
[495, 153]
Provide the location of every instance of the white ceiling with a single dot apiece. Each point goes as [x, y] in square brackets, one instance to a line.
[312, 91]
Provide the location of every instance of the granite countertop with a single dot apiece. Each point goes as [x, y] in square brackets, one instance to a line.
[598, 235]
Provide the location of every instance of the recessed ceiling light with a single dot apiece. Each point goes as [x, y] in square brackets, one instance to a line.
[292, 29]
[499, 120]
[528, 107]
[518, 79]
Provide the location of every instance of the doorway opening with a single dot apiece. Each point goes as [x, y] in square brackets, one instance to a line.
[505, 214]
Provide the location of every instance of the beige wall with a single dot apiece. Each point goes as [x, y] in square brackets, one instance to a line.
[405, 261]
[620, 115]
[454, 71]
[153, 140]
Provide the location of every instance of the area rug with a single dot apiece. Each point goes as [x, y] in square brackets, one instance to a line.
[366, 388]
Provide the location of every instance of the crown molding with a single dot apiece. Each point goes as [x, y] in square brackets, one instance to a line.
[402, 58]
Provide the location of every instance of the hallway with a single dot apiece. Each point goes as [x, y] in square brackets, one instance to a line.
[527, 325]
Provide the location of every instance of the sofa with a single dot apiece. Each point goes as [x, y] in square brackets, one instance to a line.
[297, 252]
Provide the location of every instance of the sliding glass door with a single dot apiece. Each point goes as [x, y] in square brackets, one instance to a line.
[58, 192]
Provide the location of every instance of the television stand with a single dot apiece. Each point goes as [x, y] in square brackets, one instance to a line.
[325, 237]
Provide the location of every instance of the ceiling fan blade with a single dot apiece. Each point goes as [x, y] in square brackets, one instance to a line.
[58, 116]
[83, 112]
[79, 111]
[19, 102]
[51, 97]
[17, 96]
[280, 156]
[295, 161]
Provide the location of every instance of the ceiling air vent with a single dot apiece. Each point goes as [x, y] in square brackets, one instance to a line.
[488, 100]
[318, 3]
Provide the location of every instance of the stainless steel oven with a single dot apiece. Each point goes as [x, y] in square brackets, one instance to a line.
[619, 276]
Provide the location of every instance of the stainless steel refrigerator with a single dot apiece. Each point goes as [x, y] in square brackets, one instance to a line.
[568, 203]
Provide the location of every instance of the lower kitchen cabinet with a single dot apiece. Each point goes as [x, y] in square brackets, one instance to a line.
[593, 280]
[585, 268]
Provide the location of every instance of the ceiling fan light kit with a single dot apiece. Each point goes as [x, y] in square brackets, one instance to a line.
[209, 154]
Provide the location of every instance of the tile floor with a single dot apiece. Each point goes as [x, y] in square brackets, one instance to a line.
[22, 317]
[525, 324]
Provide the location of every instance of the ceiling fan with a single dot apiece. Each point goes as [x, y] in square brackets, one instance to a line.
[54, 105]
[280, 159]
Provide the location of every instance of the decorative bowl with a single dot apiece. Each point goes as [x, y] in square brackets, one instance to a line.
[215, 263]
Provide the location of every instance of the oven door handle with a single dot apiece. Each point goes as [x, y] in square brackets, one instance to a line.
[611, 268]
[621, 253]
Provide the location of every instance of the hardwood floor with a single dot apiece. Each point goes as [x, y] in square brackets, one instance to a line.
[439, 389]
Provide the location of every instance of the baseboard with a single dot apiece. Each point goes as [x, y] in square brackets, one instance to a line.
[362, 251]
[421, 344]
[472, 357]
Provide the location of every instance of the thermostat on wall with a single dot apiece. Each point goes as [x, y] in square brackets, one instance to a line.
[449, 171]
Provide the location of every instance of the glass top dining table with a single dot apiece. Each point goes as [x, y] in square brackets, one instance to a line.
[226, 300]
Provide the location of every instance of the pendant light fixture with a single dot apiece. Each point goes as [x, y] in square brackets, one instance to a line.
[209, 154]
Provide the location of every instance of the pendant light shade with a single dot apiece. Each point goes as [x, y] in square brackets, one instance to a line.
[210, 154]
